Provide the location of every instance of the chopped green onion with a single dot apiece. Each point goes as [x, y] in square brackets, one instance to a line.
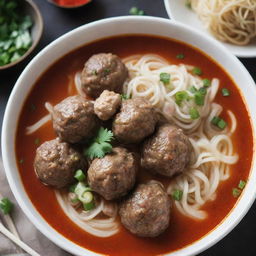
[124, 96]
[177, 194]
[6, 205]
[21, 161]
[222, 124]
[81, 188]
[197, 71]
[79, 175]
[199, 98]
[95, 72]
[225, 92]
[241, 184]
[215, 120]
[136, 11]
[194, 114]
[193, 89]
[106, 71]
[203, 91]
[72, 188]
[180, 56]
[180, 96]
[86, 197]
[165, 78]
[206, 82]
[236, 192]
[75, 200]
[89, 206]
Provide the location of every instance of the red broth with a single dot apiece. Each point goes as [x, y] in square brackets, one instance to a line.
[53, 85]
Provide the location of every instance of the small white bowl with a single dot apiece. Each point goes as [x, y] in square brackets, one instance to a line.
[113, 27]
[178, 11]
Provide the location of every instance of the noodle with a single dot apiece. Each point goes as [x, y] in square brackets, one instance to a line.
[213, 149]
[232, 21]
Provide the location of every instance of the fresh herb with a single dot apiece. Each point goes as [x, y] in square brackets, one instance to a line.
[89, 206]
[100, 145]
[125, 96]
[193, 89]
[37, 141]
[15, 37]
[202, 91]
[219, 122]
[206, 82]
[21, 161]
[165, 78]
[188, 4]
[197, 71]
[95, 72]
[194, 114]
[79, 175]
[177, 195]
[241, 184]
[72, 188]
[136, 11]
[6, 205]
[180, 97]
[199, 98]
[225, 92]
[180, 56]
[236, 192]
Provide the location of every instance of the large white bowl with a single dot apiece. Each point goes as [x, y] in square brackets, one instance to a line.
[106, 28]
[177, 10]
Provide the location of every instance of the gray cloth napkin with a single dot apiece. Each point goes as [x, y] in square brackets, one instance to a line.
[28, 233]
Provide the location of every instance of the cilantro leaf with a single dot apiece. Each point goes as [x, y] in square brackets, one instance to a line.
[100, 145]
[6, 205]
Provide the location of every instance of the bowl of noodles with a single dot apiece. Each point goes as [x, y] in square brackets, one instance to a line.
[180, 174]
[231, 22]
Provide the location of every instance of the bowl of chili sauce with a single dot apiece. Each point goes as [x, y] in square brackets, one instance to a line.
[69, 4]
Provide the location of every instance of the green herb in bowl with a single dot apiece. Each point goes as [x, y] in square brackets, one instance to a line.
[15, 34]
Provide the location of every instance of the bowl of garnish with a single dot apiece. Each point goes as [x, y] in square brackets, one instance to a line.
[232, 22]
[21, 27]
[69, 4]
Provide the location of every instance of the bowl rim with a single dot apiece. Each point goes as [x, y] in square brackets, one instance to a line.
[35, 42]
[237, 52]
[196, 247]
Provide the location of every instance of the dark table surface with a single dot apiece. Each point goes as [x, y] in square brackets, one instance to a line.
[242, 240]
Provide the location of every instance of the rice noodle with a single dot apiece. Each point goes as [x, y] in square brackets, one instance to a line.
[233, 21]
[213, 149]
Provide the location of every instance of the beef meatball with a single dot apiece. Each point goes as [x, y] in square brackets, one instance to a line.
[104, 71]
[146, 212]
[56, 162]
[107, 104]
[136, 120]
[167, 152]
[113, 175]
[74, 119]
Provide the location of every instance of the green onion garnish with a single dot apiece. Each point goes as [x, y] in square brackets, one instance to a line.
[193, 89]
[136, 11]
[222, 124]
[165, 78]
[188, 4]
[180, 96]
[72, 188]
[206, 82]
[6, 205]
[79, 175]
[199, 98]
[197, 71]
[37, 141]
[21, 161]
[236, 192]
[124, 96]
[203, 91]
[180, 56]
[89, 206]
[215, 120]
[241, 184]
[225, 92]
[194, 114]
[177, 194]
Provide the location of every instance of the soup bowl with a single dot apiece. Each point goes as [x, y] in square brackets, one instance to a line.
[113, 27]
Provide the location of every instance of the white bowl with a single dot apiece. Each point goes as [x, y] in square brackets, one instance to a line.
[177, 10]
[106, 28]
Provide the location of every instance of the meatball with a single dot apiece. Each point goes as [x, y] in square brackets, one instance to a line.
[107, 105]
[74, 119]
[167, 152]
[104, 71]
[146, 212]
[113, 175]
[56, 162]
[136, 120]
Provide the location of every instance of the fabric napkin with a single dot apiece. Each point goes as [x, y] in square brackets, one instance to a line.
[28, 233]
